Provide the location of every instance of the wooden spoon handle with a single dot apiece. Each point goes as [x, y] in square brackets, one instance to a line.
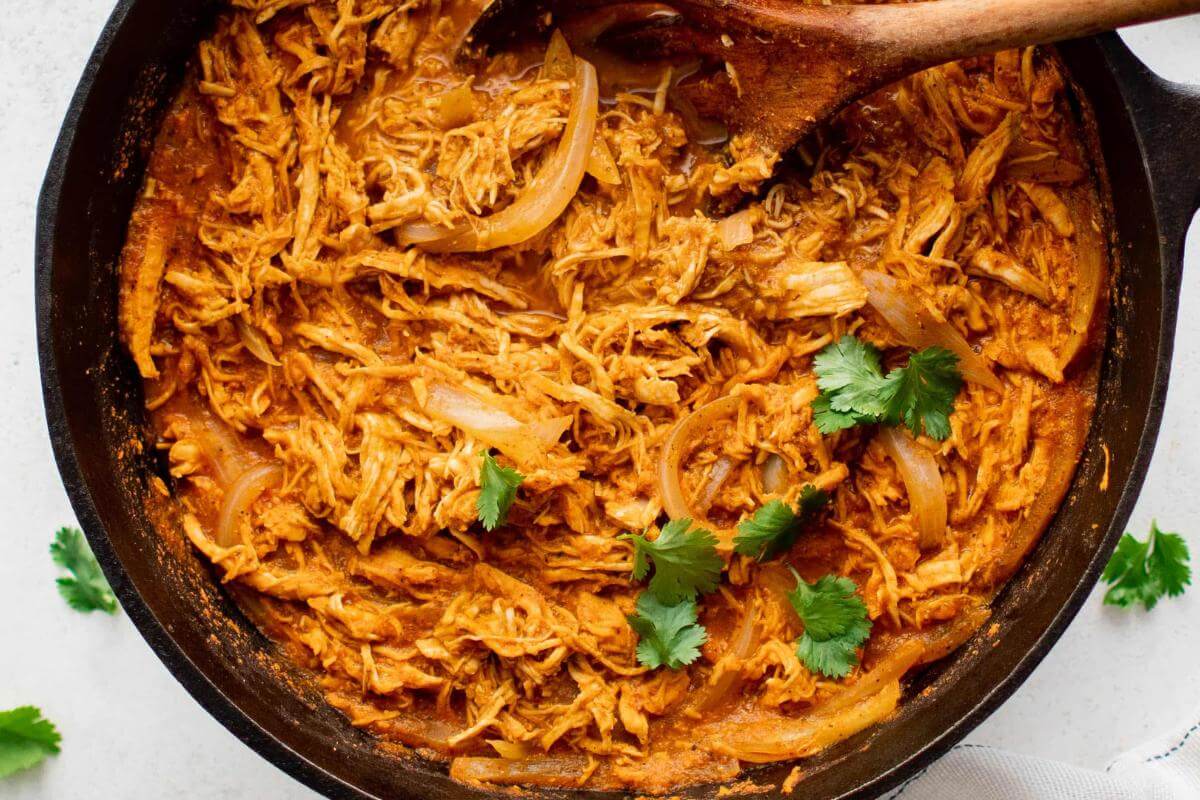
[936, 31]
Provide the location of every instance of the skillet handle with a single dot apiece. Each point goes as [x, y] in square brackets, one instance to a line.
[1166, 119]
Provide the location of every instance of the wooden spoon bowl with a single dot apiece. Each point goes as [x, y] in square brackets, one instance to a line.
[782, 67]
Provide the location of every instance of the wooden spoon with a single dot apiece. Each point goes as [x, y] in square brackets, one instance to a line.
[789, 66]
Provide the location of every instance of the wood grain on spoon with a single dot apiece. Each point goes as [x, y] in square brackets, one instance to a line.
[789, 66]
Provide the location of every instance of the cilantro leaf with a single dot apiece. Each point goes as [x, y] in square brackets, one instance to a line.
[854, 390]
[685, 561]
[830, 607]
[921, 395]
[25, 739]
[835, 624]
[849, 373]
[497, 490]
[86, 590]
[1142, 572]
[774, 527]
[829, 421]
[667, 634]
[833, 657]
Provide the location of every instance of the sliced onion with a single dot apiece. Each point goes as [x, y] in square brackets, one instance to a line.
[240, 496]
[788, 738]
[923, 480]
[221, 446]
[523, 442]
[1088, 291]
[884, 673]
[422, 730]
[509, 750]
[543, 200]
[559, 63]
[779, 583]
[918, 328]
[255, 342]
[741, 647]
[670, 460]
[601, 164]
[868, 700]
[456, 107]
[774, 474]
[547, 770]
[722, 468]
[897, 652]
[736, 230]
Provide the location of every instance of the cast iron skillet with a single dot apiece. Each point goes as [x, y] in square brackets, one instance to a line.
[1149, 135]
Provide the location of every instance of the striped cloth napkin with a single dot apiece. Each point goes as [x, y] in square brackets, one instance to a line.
[1167, 768]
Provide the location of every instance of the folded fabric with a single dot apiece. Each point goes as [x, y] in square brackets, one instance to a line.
[1167, 768]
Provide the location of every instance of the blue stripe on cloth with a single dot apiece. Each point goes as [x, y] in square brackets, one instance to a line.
[902, 788]
[1179, 745]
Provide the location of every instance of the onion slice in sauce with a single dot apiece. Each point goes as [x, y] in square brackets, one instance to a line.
[547, 770]
[722, 468]
[240, 496]
[511, 751]
[785, 738]
[559, 63]
[741, 647]
[543, 200]
[255, 342]
[601, 165]
[774, 474]
[523, 442]
[670, 461]
[918, 328]
[221, 446]
[868, 700]
[923, 480]
[736, 230]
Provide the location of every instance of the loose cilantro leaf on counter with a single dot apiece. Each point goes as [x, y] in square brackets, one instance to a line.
[774, 527]
[835, 624]
[86, 590]
[854, 390]
[25, 739]
[685, 561]
[497, 490]
[667, 634]
[1142, 572]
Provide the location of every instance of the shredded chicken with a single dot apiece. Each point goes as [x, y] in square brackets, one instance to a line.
[276, 319]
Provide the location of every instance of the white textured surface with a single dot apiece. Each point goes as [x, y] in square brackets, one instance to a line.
[130, 731]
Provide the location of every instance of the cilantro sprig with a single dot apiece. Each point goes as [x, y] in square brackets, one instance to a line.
[854, 390]
[835, 624]
[668, 635]
[922, 393]
[85, 589]
[497, 491]
[774, 527]
[1143, 572]
[26, 738]
[685, 561]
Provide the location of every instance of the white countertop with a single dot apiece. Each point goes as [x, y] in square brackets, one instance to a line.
[130, 731]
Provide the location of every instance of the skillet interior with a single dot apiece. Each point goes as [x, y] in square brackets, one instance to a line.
[93, 399]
